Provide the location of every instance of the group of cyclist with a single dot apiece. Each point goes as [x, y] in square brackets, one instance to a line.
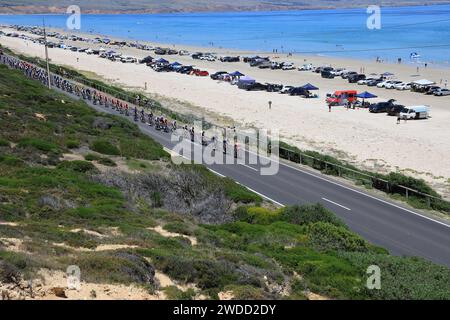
[98, 98]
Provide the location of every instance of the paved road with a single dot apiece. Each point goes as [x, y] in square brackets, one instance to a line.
[400, 230]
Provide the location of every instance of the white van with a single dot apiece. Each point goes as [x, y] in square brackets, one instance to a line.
[415, 112]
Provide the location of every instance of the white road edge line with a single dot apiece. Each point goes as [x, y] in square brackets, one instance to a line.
[359, 192]
[254, 191]
[250, 167]
[337, 204]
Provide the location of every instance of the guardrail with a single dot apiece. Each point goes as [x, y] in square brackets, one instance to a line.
[421, 200]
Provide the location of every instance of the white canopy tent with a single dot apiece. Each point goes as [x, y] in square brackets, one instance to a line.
[424, 82]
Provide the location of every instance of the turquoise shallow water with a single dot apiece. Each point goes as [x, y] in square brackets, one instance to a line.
[343, 33]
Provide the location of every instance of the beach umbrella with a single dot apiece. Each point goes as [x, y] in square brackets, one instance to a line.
[237, 74]
[175, 64]
[310, 87]
[366, 95]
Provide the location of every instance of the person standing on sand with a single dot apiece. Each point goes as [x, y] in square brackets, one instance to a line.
[329, 107]
[398, 118]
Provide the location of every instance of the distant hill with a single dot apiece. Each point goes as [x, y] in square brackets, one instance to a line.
[162, 6]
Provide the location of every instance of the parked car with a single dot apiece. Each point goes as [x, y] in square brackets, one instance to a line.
[286, 89]
[381, 107]
[265, 65]
[339, 72]
[403, 86]
[347, 74]
[365, 81]
[128, 60]
[392, 84]
[416, 112]
[230, 59]
[185, 69]
[354, 78]
[442, 92]
[306, 67]
[374, 83]
[200, 73]
[217, 75]
[383, 84]
[327, 74]
[146, 60]
[256, 86]
[432, 89]
[274, 87]
[183, 53]
[288, 66]
[395, 110]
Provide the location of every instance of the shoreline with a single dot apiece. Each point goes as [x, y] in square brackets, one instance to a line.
[133, 12]
[371, 142]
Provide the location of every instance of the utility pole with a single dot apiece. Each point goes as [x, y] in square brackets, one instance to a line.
[46, 56]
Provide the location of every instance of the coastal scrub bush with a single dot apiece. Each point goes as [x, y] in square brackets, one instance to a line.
[256, 215]
[91, 157]
[107, 162]
[309, 214]
[39, 144]
[72, 144]
[324, 236]
[105, 147]
[4, 143]
[402, 277]
[78, 166]
[11, 160]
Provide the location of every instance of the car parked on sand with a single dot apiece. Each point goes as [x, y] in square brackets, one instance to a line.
[255, 86]
[216, 76]
[403, 86]
[442, 92]
[382, 107]
[354, 78]
[392, 84]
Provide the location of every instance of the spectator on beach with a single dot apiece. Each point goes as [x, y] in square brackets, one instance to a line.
[398, 118]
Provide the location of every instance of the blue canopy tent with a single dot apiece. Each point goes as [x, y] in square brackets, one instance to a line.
[310, 87]
[163, 61]
[237, 74]
[366, 95]
[247, 79]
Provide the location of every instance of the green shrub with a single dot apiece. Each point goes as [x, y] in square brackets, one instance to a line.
[11, 160]
[324, 236]
[38, 144]
[309, 214]
[4, 143]
[105, 147]
[178, 227]
[257, 215]
[92, 157]
[72, 144]
[78, 166]
[402, 278]
[107, 162]
[238, 193]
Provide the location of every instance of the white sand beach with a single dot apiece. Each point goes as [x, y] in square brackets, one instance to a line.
[419, 148]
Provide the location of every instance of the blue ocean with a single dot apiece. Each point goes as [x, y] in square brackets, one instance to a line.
[424, 30]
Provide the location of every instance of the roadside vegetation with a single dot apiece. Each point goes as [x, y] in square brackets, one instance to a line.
[122, 223]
